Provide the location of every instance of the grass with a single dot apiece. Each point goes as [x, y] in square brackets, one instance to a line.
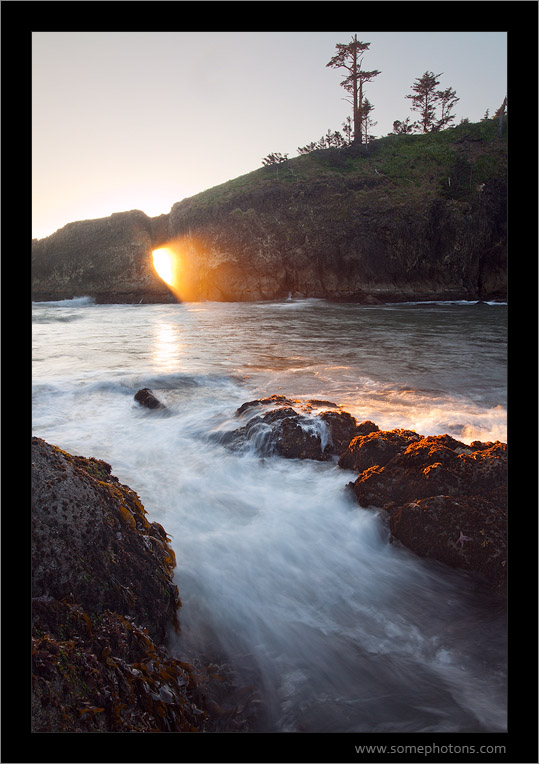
[452, 162]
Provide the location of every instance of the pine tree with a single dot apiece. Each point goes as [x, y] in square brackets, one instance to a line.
[425, 100]
[447, 99]
[347, 131]
[401, 128]
[368, 123]
[350, 58]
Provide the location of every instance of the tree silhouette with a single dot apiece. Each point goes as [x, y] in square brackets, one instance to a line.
[447, 99]
[499, 113]
[275, 158]
[401, 128]
[368, 123]
[350, 58]
[331, 139]
[424, 100]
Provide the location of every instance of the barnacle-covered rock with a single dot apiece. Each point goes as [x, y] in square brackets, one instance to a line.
[374, 446]
[103, 605]
[92, 542]
[103, 673]
[445, 500]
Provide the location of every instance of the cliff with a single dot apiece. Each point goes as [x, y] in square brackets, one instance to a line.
[408, 217]
[108, 259]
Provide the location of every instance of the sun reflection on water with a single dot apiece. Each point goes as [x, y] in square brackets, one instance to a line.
[167, 348]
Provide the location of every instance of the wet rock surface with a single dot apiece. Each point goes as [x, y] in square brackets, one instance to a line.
[146, 398]
[283, 430]
[445, 500]
[91, 541]
[375, 447]
[104, 607]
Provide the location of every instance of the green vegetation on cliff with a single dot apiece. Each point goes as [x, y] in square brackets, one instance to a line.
[451, 163]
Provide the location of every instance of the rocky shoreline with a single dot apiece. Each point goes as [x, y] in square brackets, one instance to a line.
[443, 499]
[104, 603]
[104, 606]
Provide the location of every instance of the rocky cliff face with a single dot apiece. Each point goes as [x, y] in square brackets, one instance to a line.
[412, 217]
[338, 241]
[108, 259]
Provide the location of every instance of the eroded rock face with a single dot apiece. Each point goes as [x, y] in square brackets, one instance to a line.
[322, 239]
[108, 259]
[445, 500]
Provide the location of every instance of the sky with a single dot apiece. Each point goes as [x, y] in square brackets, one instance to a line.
[142, 120]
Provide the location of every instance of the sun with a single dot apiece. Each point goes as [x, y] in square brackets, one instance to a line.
[163, 262]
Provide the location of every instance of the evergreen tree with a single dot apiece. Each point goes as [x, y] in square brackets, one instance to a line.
[327, 141]
[424, 99]
[274, 158]
[347, 131]
[368, 123]
[400, 128]
[447, 99]
[312, 146]
[350, 58]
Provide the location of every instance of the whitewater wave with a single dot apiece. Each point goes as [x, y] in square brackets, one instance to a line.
[73, 302]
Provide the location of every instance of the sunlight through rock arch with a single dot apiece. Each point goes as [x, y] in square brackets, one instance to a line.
[163, 262]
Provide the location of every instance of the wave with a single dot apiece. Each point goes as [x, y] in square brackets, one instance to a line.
[73, 302]
[443, 302]
[291, 302]
[128, 385]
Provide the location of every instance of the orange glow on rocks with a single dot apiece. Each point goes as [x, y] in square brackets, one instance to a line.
[194, 269]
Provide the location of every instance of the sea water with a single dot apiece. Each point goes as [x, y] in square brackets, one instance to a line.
[280, 572]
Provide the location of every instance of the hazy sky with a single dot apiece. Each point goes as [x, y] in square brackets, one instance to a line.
[141, 120]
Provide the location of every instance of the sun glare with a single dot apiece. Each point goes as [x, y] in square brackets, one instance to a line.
[163, 264]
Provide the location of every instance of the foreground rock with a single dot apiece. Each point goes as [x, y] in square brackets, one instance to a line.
[283, 431]
[103, 606]
[446, 500]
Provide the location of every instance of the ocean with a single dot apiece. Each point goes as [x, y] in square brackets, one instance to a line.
[281, 574]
